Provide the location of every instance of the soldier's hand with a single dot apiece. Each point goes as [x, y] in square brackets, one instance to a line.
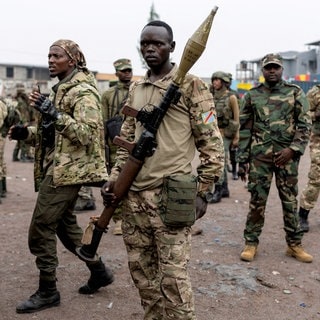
[18, 132]
[109, 198]
[243, 170]
[201, 207]
[283, 156]
[41, 103]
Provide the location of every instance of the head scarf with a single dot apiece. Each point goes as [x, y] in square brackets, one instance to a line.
[73, 51]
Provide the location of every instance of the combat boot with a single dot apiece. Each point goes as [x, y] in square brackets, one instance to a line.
[3, 183]
[224, 190]
[101, 276]
[249, 252]
[303, 217]
[216, 196]
[46, 296]
[234, 171]
[15, 155]
[296, 251]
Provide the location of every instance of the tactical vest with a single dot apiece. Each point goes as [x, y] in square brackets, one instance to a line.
[224, 112]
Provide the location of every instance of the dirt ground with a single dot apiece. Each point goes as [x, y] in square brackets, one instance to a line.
[271, 287]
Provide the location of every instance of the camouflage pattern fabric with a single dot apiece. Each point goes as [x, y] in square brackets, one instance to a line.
[225, 103]
[273, 119]
[110, 100]
[3, 116]
[158, 255]
[166, 294]
[78, 156]
[310, 194]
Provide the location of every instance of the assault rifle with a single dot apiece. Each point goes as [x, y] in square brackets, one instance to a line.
[146, 144]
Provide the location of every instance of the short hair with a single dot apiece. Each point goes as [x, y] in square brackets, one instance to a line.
[159, 23]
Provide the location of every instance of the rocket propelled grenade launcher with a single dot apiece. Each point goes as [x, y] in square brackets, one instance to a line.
[146, 145]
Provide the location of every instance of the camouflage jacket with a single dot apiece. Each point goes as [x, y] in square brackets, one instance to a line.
[313, 96]
[3, 112]
[78, 154]
[189, 125]
[272, 119]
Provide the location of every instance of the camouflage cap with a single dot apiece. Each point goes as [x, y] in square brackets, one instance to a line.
[273, 58]
[221, 75]
[122, 64]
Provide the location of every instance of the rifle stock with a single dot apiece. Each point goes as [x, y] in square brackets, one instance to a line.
[146, 144]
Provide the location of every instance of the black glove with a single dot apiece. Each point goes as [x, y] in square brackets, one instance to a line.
[201, 207]
[18, 132]
[45, 106]
[109, 198]
[243, 170]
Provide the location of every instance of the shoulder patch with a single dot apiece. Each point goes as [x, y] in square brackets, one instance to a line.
[208, 117]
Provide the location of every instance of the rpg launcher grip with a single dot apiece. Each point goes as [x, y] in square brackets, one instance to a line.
[146, 145]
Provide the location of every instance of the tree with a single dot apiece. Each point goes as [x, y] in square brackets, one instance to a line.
[152, 16]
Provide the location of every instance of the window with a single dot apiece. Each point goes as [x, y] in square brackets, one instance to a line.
[29, 73]
[10, 72]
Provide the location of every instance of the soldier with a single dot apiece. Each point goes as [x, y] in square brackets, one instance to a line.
[9, 116]
[69, 153]
[27, 118]
[310, 194]
[158, 253]
[112, 101]
[274, 132]
[228, 121]
[233, 168]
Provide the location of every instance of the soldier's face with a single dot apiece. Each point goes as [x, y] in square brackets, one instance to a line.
[60, 64]
[155, 45]
[272, 73]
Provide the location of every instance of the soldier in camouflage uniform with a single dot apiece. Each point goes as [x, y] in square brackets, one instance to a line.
[274, 132]
[69, 152]
[27, 118]
[112, 101]
[9, 116]
[228, 117]
[158, 254]
[310, 194]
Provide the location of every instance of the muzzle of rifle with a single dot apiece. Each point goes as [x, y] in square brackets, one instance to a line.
[87, 252]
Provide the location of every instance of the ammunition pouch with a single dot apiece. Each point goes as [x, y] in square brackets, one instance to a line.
[113, 126]
[178, 200]
[231, 129]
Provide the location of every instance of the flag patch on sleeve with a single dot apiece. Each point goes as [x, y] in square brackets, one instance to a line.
[208, 117]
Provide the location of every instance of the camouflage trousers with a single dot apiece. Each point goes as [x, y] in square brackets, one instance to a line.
[224, 176]
[3, 167]
[158, 257]
[286, 179]
[310, 194]
[53, 216]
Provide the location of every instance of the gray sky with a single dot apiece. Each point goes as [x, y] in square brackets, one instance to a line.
[107, 30]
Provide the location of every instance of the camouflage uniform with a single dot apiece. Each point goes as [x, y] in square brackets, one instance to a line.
[112, 101]
[68, 153]
[27, 118]
[3, 115]
[310, 194]
[158, 255]
[8, 117]
[273, 118]
[227, 109]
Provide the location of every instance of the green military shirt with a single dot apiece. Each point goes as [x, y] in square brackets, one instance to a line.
[273, 118]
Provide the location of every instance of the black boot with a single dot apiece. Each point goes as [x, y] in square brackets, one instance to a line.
[234, 171]
[224, 190]
[303, 216]
[4, 187]
[101, 276]
[15, 155]
[1, 191]
[46, 296]
[216, 196]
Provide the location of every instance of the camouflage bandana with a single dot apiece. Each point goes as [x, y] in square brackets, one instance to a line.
[73, 51]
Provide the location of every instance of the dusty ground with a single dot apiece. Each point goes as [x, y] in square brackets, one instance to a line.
[272, 287]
